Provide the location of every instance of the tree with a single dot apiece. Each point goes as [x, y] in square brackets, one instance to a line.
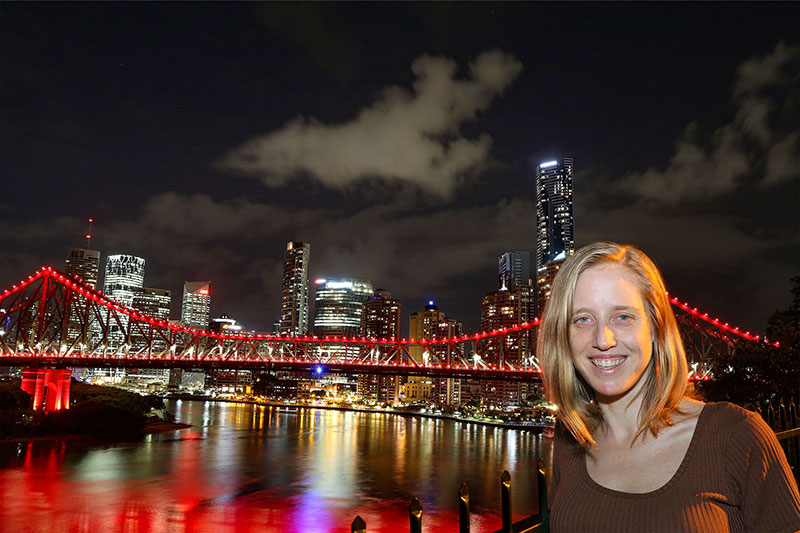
[755, 372]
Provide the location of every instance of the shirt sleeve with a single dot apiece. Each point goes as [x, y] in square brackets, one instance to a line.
[761, 476]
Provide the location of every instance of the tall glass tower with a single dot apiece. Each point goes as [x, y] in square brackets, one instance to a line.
[196, 304]
[123, 279]
[338, 306]
[294, 297]
[554, 233]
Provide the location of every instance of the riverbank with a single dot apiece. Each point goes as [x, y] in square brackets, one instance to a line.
[525, 426]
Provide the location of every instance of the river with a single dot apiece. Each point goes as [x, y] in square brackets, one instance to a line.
[249, 468]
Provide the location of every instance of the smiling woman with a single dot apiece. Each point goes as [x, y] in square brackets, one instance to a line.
[634, 451]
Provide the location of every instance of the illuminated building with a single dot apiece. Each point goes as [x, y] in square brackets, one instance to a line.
[380, 316]
[434, 324]
[123, 279]
[380, 319]
[124, 276]
[544, 283]
[153, 302]
[499, 310]
[196, 304]
[514, 270]
[338, 304]
[85, 264]
[234, 381]
[554, 233]
[554, 221]
[294, 296]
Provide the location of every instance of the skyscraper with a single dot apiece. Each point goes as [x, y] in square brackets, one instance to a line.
[380, 319]
[380, 316]
[338, 304]
[554, 235]
[124, 276]
[294, 297]
[196, 304]
[123, 279]
[85, 264]
[514, 270]
[433, 324]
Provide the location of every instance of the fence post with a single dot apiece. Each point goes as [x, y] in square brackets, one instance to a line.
[505, 490]
[463, 508]
[541, 486]
[415, 516]
[358, 525]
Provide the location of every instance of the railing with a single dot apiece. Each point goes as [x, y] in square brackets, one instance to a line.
[539, 523]
[782, 417]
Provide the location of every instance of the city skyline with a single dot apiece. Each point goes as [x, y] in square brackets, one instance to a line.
[405, 156]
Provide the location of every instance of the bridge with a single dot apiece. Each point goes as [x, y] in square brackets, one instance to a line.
[52, 320]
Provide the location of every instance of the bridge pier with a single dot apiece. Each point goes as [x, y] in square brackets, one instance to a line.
[48, 387]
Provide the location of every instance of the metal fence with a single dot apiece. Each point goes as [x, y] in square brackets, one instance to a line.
[782, 416]
[538, 522]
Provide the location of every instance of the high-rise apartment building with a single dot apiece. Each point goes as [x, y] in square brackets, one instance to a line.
[431, 323]
[380, 316]
[85, 264]
[196, 304]
[554, 233]
[554, 220]
[380, 319]
[338, 304]
[294, 296]
[514, 270]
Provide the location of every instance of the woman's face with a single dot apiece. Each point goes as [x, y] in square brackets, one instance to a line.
[609, 334]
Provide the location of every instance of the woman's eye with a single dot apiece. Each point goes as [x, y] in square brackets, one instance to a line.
[582, 320]
[625, 318]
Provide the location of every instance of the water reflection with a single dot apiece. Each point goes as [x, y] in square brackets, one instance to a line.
[254, 468]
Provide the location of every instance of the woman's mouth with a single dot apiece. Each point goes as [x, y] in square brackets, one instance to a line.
[608, 362]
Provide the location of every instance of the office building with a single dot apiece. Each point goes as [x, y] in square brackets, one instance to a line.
[554, 220]
[123, 279]
[85, 264]
[514, 270]
[196, 304]
[338, 304]
[294, 296]
[153, 302]
[380, 319]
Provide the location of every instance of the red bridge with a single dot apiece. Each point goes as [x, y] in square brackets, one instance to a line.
[53, 320]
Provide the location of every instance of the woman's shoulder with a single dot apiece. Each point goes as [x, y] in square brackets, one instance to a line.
[727, 412]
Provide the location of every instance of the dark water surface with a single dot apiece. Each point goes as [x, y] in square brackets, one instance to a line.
[246, 468]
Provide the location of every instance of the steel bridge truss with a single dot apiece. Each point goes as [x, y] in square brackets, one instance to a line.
[52, 319]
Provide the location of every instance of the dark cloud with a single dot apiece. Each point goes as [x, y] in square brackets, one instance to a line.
[755, 144]
[412, 136]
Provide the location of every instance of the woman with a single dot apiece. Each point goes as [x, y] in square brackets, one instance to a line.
[634, 451]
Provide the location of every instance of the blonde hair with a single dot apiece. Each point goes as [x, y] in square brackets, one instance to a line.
[665, 375]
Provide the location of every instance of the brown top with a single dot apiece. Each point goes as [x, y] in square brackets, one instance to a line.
[734, 478]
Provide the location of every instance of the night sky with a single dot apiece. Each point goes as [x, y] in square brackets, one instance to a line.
[400, 141]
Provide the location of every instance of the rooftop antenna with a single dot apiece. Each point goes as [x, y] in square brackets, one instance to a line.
[89, 234]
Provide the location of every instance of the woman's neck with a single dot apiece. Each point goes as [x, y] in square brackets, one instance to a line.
[621, 416]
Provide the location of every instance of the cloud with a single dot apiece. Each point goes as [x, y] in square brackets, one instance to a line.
[760, 141]
[412, 136]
